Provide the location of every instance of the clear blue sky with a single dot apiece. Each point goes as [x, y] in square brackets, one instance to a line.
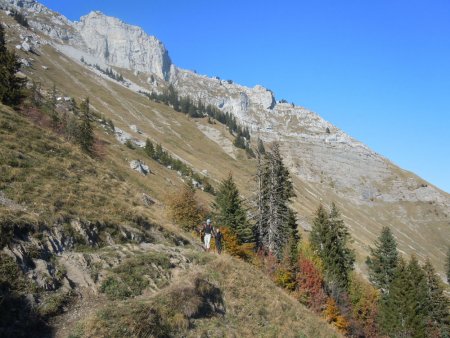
[379, 70]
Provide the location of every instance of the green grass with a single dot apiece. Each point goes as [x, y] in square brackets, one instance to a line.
[51, 181]
[54, 303]
[226, 298]
[133, 275]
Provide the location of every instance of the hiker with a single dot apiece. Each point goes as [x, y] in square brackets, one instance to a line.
[218, 237]
[208, 231]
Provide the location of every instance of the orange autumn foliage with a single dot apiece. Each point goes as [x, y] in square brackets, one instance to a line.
[185, 210]
[310, 285]
[231, 245]
[333, 316]
[364, 298]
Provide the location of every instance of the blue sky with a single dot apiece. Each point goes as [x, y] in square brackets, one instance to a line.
[379, 70]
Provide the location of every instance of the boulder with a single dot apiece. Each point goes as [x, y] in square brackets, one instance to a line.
[140, 167]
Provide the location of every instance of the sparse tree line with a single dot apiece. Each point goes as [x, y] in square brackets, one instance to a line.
[76, 127]
[10, 84]
[74, 122]
[159, 154]
[19, 18]
[190, 107]
[402, 299]
[107, 71]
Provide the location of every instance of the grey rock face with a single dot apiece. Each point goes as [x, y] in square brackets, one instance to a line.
[231, 97]
[140, 167]
[122, 45]
[107, 39]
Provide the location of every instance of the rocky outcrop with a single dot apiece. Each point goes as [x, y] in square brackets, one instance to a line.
[122, 45]
[226, 95]
[108, 40]
[140, 167]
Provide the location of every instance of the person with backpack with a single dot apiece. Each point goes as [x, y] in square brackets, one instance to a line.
[218, 237]
[208, 231]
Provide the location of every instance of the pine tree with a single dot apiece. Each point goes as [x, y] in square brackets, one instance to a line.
[10, 85]
[340, 257]
[404, 310]
[393, 311]
[229, 211]
[86, 133]
[274, 193]
[418, 297]
[438, 304]
[319, 230]
[261, 149]
[149, 148]
[53, 113]
[329, 239]
[447, 265]
[382, 261]
[294, 241]
[159, 152]
[35, 94]
[239, 141]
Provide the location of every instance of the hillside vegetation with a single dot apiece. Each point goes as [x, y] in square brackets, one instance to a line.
[102, 191]
[161, 285]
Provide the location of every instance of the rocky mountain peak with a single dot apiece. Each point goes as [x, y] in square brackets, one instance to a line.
[116, 43]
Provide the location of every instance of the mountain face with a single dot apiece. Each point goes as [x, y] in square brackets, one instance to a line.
[122, 45]
[327, 164]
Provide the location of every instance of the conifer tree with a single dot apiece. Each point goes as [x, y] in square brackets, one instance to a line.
[341, 258]
[404, 310]
[447, 265]
[274, 193]
[239, 141]
[382, 261]
[86, 133]
[229, 211]
[418, 297]
[329, 239]
[53, 113]
[294, 240]
[438, 304]
[10, 85]
[35, 94]
[261, 148]
[319, 230]
[149, 148]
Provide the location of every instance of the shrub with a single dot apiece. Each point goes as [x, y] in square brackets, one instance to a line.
[20, 18]
[310, 285]
[115, 289]
[129, 144]
[132, 277]
[231, 245]
[185, 210]
[54, 304]
[333, 316]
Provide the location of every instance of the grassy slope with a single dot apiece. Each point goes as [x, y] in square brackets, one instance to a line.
[420, 228]
[247, 305]
[181, 136]
[39, 169]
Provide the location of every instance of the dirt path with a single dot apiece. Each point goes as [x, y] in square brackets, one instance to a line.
[86, 304]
